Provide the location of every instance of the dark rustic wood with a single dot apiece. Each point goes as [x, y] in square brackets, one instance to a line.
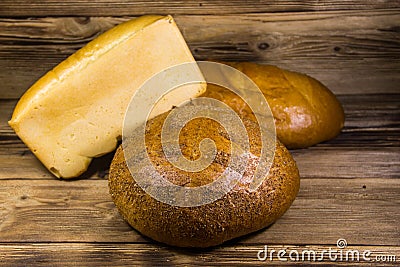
[362, 48]
[24, 8]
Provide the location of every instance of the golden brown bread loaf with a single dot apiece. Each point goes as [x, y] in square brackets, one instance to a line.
[305, 111]
[238, 213]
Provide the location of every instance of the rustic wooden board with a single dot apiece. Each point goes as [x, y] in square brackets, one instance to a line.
[350, 186]
[383, 162]
[158, 255]
[82, 211]
[349, 51]
[127, 8]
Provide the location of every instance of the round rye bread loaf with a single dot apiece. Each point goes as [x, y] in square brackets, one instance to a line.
[237, 213]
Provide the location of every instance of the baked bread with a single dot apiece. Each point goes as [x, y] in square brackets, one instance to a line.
[75, 112]
[305, 111]
[237, 213]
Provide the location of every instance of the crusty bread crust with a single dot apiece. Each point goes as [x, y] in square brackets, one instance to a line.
[305, 111]
[238, 213]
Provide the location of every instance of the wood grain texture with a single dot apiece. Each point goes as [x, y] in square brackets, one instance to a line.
[158, 255]
[364, 113]
[128, 8]
[350, 186]
[82, 211]
[349, 51]
[350, 161]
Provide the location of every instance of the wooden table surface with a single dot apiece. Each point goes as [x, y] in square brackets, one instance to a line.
[350, 186]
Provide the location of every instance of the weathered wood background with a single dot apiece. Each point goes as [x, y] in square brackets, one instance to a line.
[350, 186]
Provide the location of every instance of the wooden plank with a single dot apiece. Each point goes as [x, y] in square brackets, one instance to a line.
[364, 113]
[23, 8]
[349, 155]
[319, 161]
[349, 51]
[359, 138]
[371, 112]
[6, 109]
[348, 162]
[368, 147]
[87, 254]
[26, 166]
[362, 210]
